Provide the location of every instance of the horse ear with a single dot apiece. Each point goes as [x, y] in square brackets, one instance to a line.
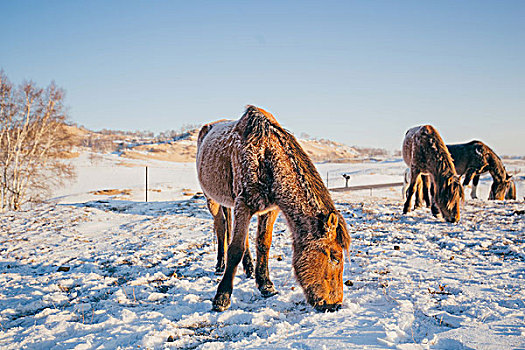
[332, 223]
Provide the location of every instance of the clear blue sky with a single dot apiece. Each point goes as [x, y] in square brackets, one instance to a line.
[358, 72]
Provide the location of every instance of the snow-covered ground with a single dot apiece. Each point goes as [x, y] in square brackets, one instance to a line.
[89, 271]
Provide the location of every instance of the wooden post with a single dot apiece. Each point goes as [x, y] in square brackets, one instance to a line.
[146, 184]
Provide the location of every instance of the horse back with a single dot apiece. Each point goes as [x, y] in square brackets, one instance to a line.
[468, 155]
[424, 150]
[214, 161]
[416, 142]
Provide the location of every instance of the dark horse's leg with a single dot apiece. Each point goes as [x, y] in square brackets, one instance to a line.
[414, 174]
[264, 241]
[475, 181]
[242, 215]
[471, 175]
[222, 228]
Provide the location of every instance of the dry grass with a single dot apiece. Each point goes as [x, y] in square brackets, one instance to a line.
[112, 192]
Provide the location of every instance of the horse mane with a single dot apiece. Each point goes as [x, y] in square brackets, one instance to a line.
[259, 125]
[445, 164]
[496, 167]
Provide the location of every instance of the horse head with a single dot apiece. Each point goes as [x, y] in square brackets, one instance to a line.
[499, 188]
[319, 259]
[449, 199]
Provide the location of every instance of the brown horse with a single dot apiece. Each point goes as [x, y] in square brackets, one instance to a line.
[255, 167]
[475, 158]
[425, 153]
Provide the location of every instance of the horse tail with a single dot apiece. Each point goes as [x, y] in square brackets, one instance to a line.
[202, 133]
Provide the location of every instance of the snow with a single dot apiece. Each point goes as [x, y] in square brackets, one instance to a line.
[86, 271]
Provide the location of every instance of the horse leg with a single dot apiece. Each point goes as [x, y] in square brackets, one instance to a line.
[410, 191]
[418, 192]
[434, 208]
[475, 182]
[406, 180]
[236, 250]
[425, 182]
[247, 261]
[264, 241]
[221, 227]
[469, 175]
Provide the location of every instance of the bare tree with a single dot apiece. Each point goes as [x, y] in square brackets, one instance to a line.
[33, 141]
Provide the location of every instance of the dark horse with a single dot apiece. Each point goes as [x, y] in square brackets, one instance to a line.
[473, 159]
[425, 153]
[255, 167]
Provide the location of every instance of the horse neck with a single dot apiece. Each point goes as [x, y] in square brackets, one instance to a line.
[496, 168]
[441, 179]
[443, 167]
[300, 194]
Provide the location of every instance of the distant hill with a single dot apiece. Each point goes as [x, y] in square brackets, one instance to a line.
[182, 146]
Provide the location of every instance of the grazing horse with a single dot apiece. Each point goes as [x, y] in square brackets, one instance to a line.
[425, 153]
[255, 167]
[475, 158]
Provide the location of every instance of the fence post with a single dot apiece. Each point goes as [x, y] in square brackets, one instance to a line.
[146, 184]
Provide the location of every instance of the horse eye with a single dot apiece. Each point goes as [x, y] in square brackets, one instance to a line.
[334, 259]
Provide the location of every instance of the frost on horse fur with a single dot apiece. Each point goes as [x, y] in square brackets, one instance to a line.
[255, 167]
[425, 153]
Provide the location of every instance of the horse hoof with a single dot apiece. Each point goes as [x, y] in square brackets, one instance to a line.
[327, 307]
[249, 273]
[219, 270]
[268, 291]
[221, 302]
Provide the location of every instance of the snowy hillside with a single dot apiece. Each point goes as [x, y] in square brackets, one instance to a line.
[182, 146]
[94, 269]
